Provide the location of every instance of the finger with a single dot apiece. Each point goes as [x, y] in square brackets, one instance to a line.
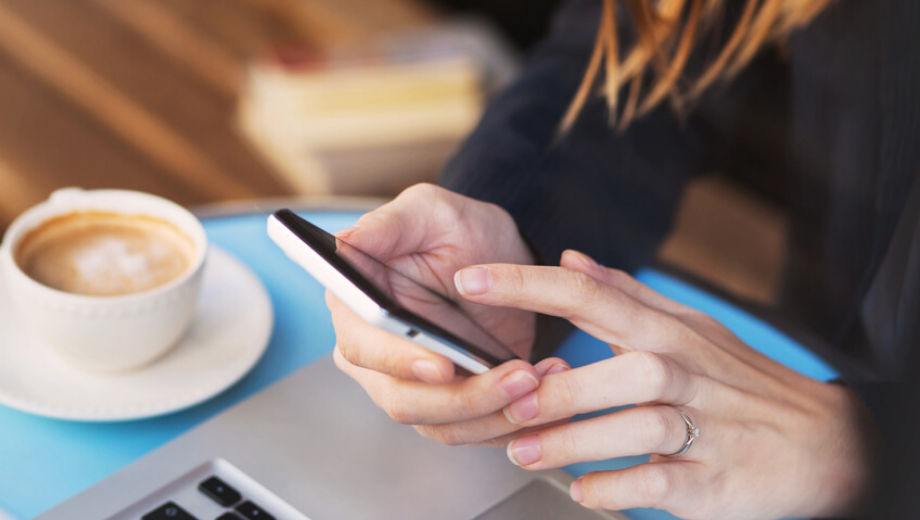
[495, 427]
[633, 431]
[712, 329]
[370, 347]
[552, 365]
[490, 430]
[399, 227]
[634, 377]
[673, 485]
[595, 307]
[502, 441]
[412, 402]
[622, 281]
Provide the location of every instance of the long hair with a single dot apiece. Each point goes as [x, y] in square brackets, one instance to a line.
[666, 32]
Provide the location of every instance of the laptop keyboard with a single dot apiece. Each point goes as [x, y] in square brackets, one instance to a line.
[216, 490]
[169, 511]
[221, 493]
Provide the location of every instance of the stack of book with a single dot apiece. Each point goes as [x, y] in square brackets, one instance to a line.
[375, 119]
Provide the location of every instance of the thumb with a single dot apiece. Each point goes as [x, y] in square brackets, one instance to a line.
[398, 228]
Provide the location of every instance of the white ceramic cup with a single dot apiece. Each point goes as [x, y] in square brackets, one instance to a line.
[105, 333]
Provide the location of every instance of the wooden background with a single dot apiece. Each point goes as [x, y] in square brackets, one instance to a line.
[140, 94]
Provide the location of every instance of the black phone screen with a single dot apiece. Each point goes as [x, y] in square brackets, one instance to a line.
[408, 300]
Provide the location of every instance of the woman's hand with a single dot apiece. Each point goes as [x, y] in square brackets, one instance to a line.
[772, 443]
[428, 233]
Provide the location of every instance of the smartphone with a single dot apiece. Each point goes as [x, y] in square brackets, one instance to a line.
[384, 297]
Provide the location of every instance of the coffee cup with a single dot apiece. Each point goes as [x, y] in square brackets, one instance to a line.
[107, 279]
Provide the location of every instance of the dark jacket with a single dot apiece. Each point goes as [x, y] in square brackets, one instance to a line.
[831, 131]
[828, 126]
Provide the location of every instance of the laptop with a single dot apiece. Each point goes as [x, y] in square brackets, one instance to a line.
[315, 447]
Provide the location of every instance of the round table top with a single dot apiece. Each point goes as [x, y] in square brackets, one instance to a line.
[46, 461]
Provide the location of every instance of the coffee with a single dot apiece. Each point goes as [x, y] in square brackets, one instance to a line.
[97, 253]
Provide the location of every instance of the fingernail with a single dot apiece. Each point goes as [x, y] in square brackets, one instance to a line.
[575, 491]
[518, 383]
[472, 280]
[524, 409]
[427, 371]
[525, 450]
[345, 232]
[555, 369]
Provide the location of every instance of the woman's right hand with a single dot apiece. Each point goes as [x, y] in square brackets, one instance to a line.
[429, 233]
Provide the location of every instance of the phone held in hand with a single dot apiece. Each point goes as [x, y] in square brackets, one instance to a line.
[383, 297]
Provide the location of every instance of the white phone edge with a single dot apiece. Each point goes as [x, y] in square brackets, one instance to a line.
[361, 304]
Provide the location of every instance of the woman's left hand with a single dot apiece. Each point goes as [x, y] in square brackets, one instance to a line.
[772, 443]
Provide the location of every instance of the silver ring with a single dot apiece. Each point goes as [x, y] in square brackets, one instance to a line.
[692, 433]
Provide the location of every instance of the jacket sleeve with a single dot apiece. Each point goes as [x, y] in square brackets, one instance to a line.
[609, 194]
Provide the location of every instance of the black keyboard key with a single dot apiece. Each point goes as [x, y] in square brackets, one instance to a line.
[229, 516]
[169, 511]
[220, 492]
[253, 512]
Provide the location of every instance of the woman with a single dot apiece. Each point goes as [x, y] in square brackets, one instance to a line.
[814, 97]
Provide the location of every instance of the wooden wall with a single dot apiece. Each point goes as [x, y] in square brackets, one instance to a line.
[140, 94]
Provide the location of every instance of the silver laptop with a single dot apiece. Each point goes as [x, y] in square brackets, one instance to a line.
[314, 446]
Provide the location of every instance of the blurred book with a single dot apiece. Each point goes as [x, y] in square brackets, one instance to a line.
[375, 119]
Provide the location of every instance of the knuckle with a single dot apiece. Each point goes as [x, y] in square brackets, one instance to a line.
[654, 485]
[498, 218]
[619, 278]
[515, 280]
[563, 401]
[388, 218]
[495, 442]
[445, 434]
[395, 366]
[693, 317]
[585, 288]
[448, 203]
[451, 436]
[466, 403]
[426, 431]
[349, 351]
[657, 427]
[395, 408]
[705, 319]
[422, 190]
[656, 371]
[565, 446]
[344, 350]
[399, 414]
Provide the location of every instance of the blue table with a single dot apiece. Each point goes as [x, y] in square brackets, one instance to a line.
[45, 461]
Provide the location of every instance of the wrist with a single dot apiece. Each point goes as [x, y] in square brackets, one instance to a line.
[854, 452]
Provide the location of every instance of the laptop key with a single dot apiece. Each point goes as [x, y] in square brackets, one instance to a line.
[169, 511]
[253, 512]
[218, 491]
[229, 516]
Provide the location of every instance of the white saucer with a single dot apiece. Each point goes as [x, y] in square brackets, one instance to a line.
[229, 333]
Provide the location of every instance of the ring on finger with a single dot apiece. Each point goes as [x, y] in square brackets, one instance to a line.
[692, 434]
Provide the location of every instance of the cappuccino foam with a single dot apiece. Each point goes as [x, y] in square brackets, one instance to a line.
[104, 254]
